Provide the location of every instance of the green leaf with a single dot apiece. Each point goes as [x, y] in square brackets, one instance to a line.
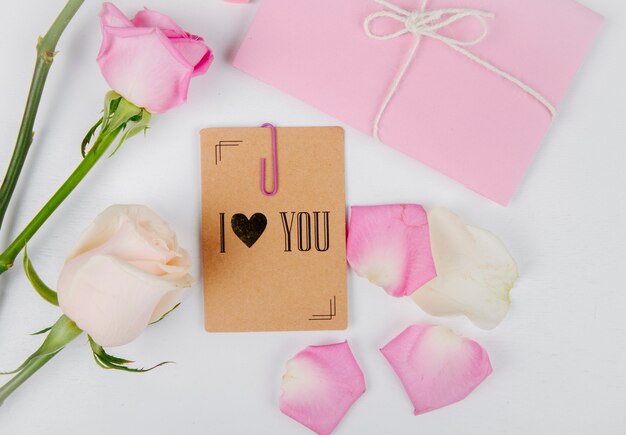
[97, 360]
[140, 123]
[61, 333]
[111, 102]
[118, 115]
[164, 315]
[43, 331]
[44, 291]
[97, 349]
[122, 114]
[115, 102]
[110, 362]
[34, 357]
[20, 368]
[89, 136]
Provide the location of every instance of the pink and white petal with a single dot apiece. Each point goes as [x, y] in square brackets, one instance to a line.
[157, 268]
[127, 244]
[153, 227]
[320, 385]
[390, 246]
[149, 18]
[111, 16]
[182, 260]
[436, 366]
[99, 232]
[195, 52]
[109, 299]
[475, 272]
[175, 269]
[142, 65]
[147, 223]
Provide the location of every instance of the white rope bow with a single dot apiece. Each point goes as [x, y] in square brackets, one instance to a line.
[427, 23]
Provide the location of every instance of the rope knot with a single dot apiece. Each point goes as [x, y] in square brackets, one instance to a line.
[414, 22]
[427, 23]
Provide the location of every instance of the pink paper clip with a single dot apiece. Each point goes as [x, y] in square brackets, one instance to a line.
[275, 161]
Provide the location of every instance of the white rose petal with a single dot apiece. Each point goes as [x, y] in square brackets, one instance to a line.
[475, 272]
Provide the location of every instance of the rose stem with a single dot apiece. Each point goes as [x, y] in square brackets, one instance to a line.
[45, 55]
[98, 150]
[62, 333]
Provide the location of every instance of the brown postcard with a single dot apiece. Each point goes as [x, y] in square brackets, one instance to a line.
[274, 263]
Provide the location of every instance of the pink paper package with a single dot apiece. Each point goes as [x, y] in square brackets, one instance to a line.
[467, 87]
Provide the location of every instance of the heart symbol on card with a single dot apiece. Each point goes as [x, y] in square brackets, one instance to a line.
[248, 230]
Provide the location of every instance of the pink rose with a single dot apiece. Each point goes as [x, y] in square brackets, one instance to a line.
[149, 60]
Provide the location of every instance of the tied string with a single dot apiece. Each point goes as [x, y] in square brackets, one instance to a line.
[423, 23]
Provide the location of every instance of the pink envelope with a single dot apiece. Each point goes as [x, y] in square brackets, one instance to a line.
[449, 111]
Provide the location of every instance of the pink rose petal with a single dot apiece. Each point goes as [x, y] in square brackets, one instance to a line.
[390, 246]
[195, 52]
[436, 366]
[111, 16]
[150, 18]
[320, 385]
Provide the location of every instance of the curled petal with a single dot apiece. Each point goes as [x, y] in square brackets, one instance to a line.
[177, 269]
[390, 246]
[111, 16]
[195, 52]
[320, 385]
[140, 222]
[150, 18]
[475, 272]
[436, 366]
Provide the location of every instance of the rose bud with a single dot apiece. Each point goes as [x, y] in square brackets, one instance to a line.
[126, 272]
[150, 59]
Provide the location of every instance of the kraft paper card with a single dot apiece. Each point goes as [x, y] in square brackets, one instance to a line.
[274, 263]
[449, 111]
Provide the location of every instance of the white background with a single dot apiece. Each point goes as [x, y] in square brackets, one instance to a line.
[559, 357]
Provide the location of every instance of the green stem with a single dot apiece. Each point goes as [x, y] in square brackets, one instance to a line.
[7, 258]
[45, 55]
[62, 333]
[17, 380]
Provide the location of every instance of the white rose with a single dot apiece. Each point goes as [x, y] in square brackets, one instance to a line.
[126, 272]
